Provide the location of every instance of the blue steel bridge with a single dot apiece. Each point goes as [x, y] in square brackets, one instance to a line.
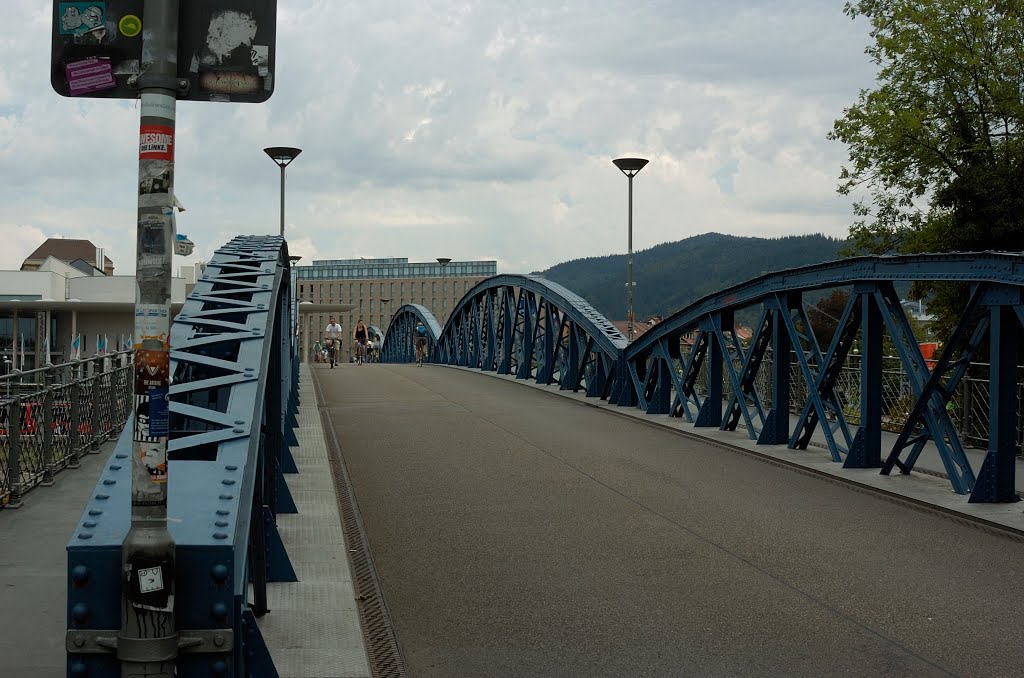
[235, 411]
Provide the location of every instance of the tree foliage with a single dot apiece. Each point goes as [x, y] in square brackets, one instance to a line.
[937, 146]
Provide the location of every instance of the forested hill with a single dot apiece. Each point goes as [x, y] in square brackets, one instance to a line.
[672, 275]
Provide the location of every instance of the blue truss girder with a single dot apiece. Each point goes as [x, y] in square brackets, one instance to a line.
[231, 377]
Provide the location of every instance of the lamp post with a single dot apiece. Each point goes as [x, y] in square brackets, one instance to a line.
[630, 167]
[282, 156]
[387, 303]
[444, 261]
[294, 259]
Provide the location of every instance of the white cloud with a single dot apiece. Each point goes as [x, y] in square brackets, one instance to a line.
[457, 128]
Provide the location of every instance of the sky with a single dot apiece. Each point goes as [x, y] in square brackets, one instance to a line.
[466, 129]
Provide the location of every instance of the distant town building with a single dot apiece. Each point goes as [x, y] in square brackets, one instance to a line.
[78, 253]
[61, 293]
[359, 286]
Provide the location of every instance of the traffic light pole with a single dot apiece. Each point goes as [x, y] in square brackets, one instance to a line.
[148, 642]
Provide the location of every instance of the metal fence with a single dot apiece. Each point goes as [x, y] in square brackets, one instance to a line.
[969, 408]
[50, 417]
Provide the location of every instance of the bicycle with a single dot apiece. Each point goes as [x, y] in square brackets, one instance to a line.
[332, 351]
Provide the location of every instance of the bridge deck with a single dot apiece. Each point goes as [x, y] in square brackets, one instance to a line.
[517, 534]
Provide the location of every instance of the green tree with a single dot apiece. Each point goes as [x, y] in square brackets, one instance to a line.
[937, 146]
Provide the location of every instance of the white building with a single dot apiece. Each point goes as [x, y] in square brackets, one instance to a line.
[55, 298]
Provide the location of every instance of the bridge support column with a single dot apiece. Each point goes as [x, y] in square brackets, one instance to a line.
[866, 450]
[996, 479]
[711, 409]
[776, 424]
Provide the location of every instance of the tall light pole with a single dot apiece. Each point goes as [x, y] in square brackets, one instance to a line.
[444, 261]
[630, 167]
[294, 259]
[387, 304]
[282, 156]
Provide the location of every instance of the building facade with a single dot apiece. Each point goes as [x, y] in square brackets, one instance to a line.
[373, 289]
[52, 301]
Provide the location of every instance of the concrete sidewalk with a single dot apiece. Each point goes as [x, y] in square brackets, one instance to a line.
[313, 628]
[33, 570]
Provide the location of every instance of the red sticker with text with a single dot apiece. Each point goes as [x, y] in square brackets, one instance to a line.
[156, 142]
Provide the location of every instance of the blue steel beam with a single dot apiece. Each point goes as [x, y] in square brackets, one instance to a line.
[227, 412]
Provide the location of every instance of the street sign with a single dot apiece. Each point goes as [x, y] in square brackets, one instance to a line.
[226, 49]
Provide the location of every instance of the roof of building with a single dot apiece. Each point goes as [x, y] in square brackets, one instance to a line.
[67, 249]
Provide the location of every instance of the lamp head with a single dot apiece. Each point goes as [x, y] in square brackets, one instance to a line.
[444, 261]
[630, 166]
[282, 155]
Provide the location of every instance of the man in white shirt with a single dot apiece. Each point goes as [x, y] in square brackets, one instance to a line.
[332, 335]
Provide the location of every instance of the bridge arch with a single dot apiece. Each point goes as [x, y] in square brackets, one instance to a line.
[398, 342]
[534, 329]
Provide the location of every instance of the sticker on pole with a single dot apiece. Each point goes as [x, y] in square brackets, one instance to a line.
[156, 142]
[159, 417]
[151, 579]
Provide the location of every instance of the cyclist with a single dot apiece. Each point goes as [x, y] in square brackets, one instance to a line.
[421, 342]
[359, 334]
[332, 336]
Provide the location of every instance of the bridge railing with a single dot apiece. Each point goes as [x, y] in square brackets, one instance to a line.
[969, 403]
[51, 416]
[231, 409]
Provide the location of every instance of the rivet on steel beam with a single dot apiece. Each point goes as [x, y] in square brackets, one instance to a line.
[80, 574]
[219, 611]
[219, 571]
[78, 669]
[231, 467]
[95, 512]
[115, 467]
[84, 535]
[102, 496]
[220, 535]
[121, 455]
[223, 512]
[221, 523]
[227, 481]
[109, 481]
[238, 430]
[89, 523]
[79, 612]
[225, 497]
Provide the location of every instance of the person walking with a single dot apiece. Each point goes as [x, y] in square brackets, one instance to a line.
[332, 335]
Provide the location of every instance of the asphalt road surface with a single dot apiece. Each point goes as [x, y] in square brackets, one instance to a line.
[517, 533]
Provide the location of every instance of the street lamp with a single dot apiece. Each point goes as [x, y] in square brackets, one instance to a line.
[282, 156]
[444, 261]
[630, 167]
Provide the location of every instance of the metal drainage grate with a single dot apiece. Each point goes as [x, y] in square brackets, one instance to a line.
[378, 632]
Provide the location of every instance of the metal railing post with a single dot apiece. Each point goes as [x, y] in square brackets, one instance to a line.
[75, 415]
[94, 412]
[14, 455]
[48, 427]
